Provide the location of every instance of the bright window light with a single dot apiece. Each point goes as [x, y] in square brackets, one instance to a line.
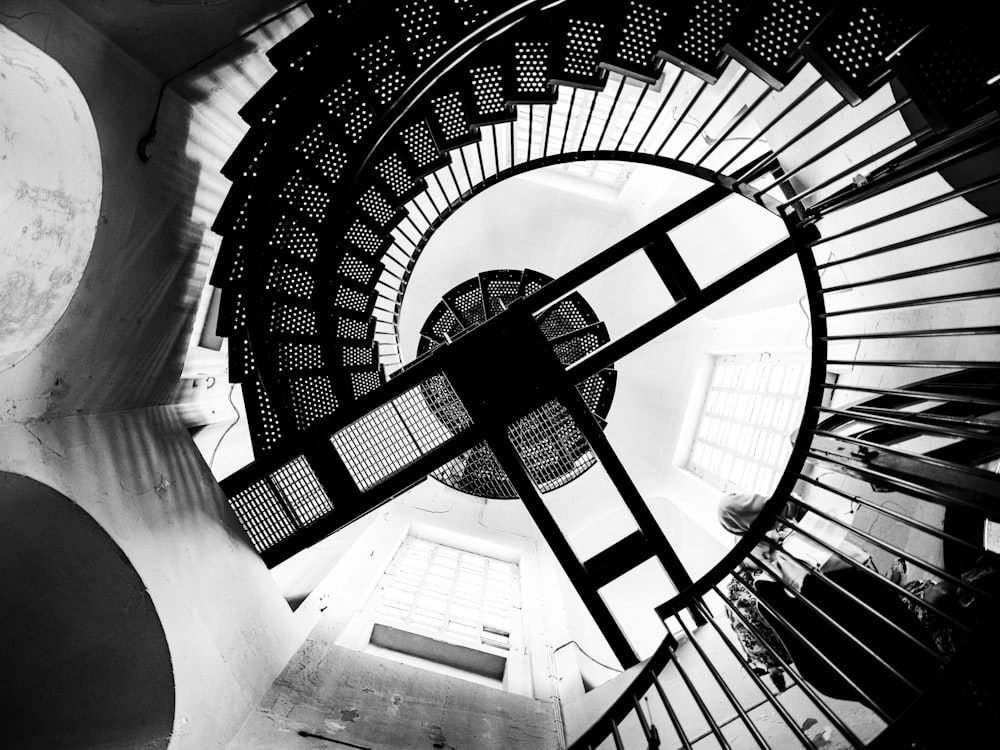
[452, 594]
[754, 403]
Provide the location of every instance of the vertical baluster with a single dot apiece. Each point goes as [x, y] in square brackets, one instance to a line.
[672, 713]
[586, 124]
[513, 143]
[772, 160]
[420, 210]
[437, 181]
[531, 130]
[898, 552]
[569, 119]
[409, 218]
[737, 121]
[921, 205]
[479, 154]
[548, 126]
[867, 125]
[727, 691]
[611, 112]
[810, 693]
[718, 107]
[775, 704]
[454, 178]
[617, 736]
[496, 150]
[713, 725]
[659, 110]
[649, 732]
[432, 201]
[857, 166]
[631, 117]
[773, 121]
[694, 99]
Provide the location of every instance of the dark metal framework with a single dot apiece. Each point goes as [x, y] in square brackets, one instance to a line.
[931, 440]
[500, 351]
[548, 439]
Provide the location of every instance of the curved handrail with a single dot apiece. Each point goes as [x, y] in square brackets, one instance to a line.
[482, 186]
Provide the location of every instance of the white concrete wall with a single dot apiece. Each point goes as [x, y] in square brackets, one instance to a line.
[434, 511]
[139, 476]
[334, 616]
[333, 696]
[121, 341]
[50, 193]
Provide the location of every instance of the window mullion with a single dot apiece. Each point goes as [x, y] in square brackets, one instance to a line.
[739, 454]
[450, 602]
[484, 577]
[744, 384]
[421, 587]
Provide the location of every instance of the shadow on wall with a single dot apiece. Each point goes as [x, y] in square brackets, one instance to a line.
[122, 336]
[84, 663]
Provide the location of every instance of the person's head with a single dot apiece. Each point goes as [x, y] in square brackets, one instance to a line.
[737, 512]
[944, 596]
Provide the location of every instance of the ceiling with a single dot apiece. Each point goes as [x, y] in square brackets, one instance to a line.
[169, 36]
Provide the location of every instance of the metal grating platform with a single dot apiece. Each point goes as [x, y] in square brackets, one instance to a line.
[552, 453]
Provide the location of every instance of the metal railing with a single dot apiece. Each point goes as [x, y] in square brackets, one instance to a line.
[906, 449]
[901, 276]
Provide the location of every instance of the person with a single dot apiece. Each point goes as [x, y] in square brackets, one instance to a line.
[834, 606]
[735, 516]
[961, 605]
[760, 643]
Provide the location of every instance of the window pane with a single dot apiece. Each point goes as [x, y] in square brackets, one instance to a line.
[753, 403]
[449, 591]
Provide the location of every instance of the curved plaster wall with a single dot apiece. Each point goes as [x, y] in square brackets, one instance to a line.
[84, 663]
[50, 193]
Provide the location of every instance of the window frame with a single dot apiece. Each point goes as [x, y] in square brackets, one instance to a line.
[389, 609]
[760, 431]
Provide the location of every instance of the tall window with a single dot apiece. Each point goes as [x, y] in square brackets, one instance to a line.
[452, 594]
[753, 404]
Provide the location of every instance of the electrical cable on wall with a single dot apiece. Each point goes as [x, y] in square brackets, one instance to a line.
[482, 512]
[428, 510]
[231, 426]
[807, 342]
[582, 651]
[21, 17]
[142, 148]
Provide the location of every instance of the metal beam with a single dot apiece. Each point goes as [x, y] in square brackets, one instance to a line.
[511, 463]
[673, 271]
[630, 494]
[680, 312]
[618, 559]
[622, 249]
[350, 503]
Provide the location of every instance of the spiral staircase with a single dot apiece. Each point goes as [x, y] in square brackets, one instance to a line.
[572, 329]
[384, 118]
